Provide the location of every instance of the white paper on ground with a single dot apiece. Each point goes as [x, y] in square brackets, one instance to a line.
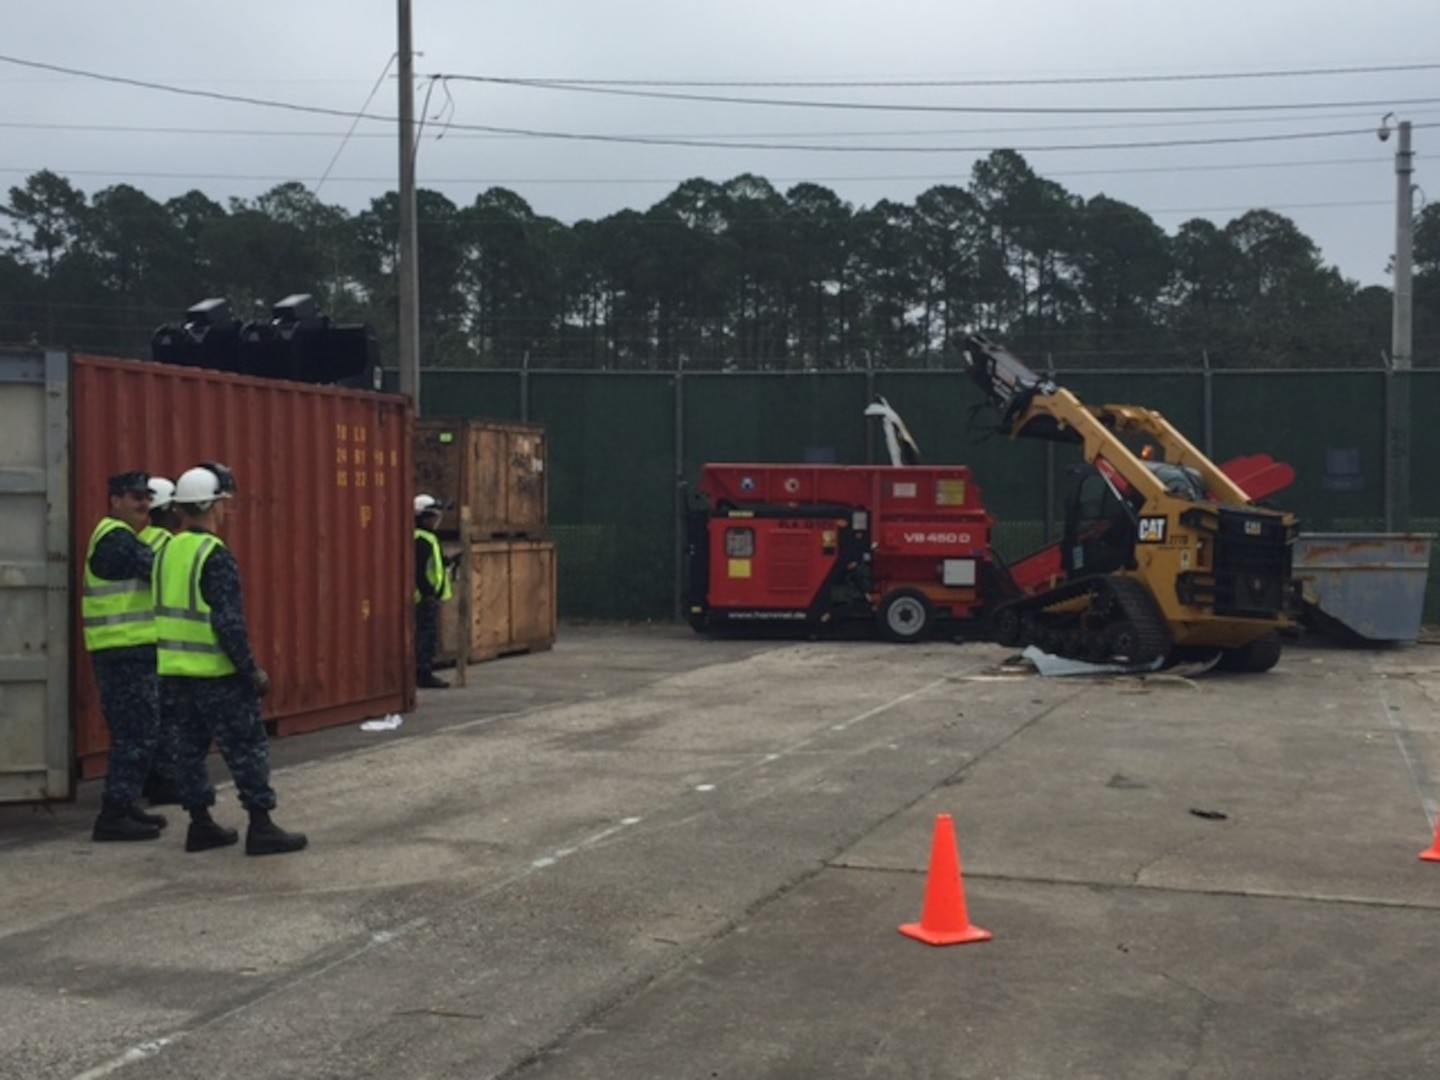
[389, 723]
[1053, 666]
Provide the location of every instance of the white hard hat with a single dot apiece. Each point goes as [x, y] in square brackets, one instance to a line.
[426, 504]
[198, 487]
[162, 492]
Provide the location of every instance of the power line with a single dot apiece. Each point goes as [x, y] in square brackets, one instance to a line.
[985, 110]
[1215, 167]
[810, 178]
[828, 84]
[170, 88]
[1037, 148]
[1059, 80]
[733, 145]
[354, 124]
[1335, 204]
[910, 133]
[1338, 203]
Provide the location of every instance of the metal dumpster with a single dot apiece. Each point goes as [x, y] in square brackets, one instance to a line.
[1372, 584]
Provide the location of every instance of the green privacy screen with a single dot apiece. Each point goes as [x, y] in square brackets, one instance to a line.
[625, 449]
[1330, 427]
[613, 490]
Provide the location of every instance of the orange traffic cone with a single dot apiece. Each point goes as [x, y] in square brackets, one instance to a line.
[944, 920]
[1432, 853]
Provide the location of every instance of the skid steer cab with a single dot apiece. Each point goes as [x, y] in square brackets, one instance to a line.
[808, 550]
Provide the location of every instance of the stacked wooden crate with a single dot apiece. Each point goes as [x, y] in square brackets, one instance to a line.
[491, 475]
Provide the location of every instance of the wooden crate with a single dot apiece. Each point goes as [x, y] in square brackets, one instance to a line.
[512, 601]
[496, 468]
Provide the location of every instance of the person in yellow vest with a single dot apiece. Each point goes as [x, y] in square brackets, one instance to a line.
[159, 788]
[207, 669]
[432, 588]
[119, 628]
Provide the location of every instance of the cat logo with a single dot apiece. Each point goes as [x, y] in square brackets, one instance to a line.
[1252, 528]
[1152, 530]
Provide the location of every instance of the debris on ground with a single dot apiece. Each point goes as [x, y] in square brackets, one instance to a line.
[1211, 815]
[1052, 666]
[1014, 667]
[388, 723]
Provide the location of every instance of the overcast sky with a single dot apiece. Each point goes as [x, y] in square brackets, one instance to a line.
[331, 55]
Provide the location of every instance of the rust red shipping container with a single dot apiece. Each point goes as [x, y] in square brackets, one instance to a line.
[321, 526]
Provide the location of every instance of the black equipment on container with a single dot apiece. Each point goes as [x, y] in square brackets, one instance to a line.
[209, 338]
[301, 344]
[353, 357]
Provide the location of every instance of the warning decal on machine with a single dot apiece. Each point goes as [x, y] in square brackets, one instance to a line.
[950, 492]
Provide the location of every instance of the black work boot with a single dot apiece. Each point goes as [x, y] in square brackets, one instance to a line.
[264, 837]
[111, 825]
[155, 821]
[427, 681]
[206, 833]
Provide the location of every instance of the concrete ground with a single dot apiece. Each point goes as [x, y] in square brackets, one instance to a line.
[646, 854]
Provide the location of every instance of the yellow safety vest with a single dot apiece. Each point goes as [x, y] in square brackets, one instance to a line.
[154, 537]
[188, 646]
[115, 614]
[436, 566]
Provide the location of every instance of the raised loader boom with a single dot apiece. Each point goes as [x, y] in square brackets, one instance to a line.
[1031, 406]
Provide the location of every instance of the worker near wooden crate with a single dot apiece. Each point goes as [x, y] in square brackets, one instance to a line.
[118, 619]
[208, 670]
[432, 588]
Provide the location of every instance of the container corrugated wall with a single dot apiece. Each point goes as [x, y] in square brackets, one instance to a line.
[321, 527]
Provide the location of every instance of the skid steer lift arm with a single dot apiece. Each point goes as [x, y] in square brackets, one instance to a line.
[1034, 407]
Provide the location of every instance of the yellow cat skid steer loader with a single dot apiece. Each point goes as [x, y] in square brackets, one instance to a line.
[1161, 557]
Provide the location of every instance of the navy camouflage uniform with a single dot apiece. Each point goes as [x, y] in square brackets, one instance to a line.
[128, 684]
[160, 784]
[224, 710]
[427, 607]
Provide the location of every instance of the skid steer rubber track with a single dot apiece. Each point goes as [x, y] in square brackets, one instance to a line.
[1100, 620]
[1140, 613]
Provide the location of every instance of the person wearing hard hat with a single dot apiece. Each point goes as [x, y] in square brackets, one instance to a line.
[164, 520]
[118, 619]
[432, 588]
[224, 475]
[159, 787]
[208, 670]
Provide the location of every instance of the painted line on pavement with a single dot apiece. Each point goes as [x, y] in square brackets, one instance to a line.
[1419, 774]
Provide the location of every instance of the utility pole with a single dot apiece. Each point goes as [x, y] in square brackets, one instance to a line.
[1404, 249]
[1398, 434]
[407, 268]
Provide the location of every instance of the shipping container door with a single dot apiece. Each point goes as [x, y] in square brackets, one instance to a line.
[34, 576]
